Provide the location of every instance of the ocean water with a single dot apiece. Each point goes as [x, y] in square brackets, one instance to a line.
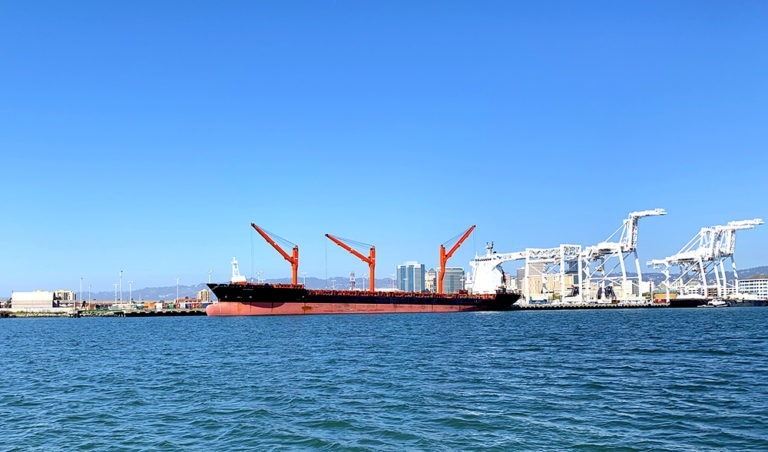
[660, 379]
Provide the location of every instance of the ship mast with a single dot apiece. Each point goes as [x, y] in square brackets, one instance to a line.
[445, 256]
[293, 259]
[370, 260]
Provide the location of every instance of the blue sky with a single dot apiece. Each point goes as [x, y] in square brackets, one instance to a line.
[146, 136]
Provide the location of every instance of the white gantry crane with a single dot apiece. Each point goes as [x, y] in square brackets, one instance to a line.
[578, 274]
[546, 268]
[543, 267]
[701, 262]
[600, 262]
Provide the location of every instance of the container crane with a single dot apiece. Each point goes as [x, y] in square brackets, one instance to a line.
[704, 255]
[293, 258]
[370, 260]
[596, 259]
[445, 256]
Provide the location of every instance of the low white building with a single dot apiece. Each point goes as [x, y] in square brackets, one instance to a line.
[38, 300]
[756, 285]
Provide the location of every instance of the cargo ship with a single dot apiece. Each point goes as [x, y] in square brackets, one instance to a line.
[240, 297]
[289, 299]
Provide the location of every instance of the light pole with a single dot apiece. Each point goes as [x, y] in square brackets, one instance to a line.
[130, 291]
[121, 286]
[305, 279]
[80, 294]
[177, 290]
[115, 292]
[89, 293]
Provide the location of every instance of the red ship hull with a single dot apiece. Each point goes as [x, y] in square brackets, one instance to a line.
[266, 299]
[255, 308]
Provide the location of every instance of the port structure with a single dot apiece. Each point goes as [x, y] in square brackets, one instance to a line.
[445, 256]
[581, 274]
[370, 259]
[550, 267]
[600, 262]
[701, 262]
[293, 258]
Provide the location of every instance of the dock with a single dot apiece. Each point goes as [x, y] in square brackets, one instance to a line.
[78, 313]
[563, 306]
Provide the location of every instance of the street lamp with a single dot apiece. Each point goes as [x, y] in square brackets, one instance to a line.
[130, 291]
[121, 286]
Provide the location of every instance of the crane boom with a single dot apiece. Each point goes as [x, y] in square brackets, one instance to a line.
[445, 256]
[293, 258]
[370, 259]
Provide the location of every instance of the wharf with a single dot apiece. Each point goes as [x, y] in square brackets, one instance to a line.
[77, 313]
[557, 305]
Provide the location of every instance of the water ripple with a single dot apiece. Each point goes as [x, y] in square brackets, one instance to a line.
[618, 380]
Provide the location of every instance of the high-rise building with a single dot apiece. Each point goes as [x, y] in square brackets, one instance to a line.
[453, 280]
[430, 281]
[410, 277]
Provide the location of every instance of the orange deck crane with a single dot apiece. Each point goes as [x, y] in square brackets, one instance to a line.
[370, 260]
[445, 256]
[293, 259]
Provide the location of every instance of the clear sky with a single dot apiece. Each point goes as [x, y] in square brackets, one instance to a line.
[145, 136]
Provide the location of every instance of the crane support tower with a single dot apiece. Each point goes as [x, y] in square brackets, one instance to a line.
[600, 278]
[370, 259]
[445, 256]
[701, 262]
[547, 272]
[293, 258]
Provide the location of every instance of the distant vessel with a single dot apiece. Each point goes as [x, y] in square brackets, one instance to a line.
[732, 301]
[688, 301]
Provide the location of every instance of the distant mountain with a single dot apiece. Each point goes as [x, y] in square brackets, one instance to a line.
[190, 291]
[152, 293]
[658, 278]
[755, 271]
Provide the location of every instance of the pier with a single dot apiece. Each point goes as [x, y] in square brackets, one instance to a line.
[78, 313]
[561, 306]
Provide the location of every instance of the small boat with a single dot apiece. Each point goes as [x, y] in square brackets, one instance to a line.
[716, 303]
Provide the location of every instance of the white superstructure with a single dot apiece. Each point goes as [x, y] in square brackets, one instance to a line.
[237, 278]
[487, 274]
